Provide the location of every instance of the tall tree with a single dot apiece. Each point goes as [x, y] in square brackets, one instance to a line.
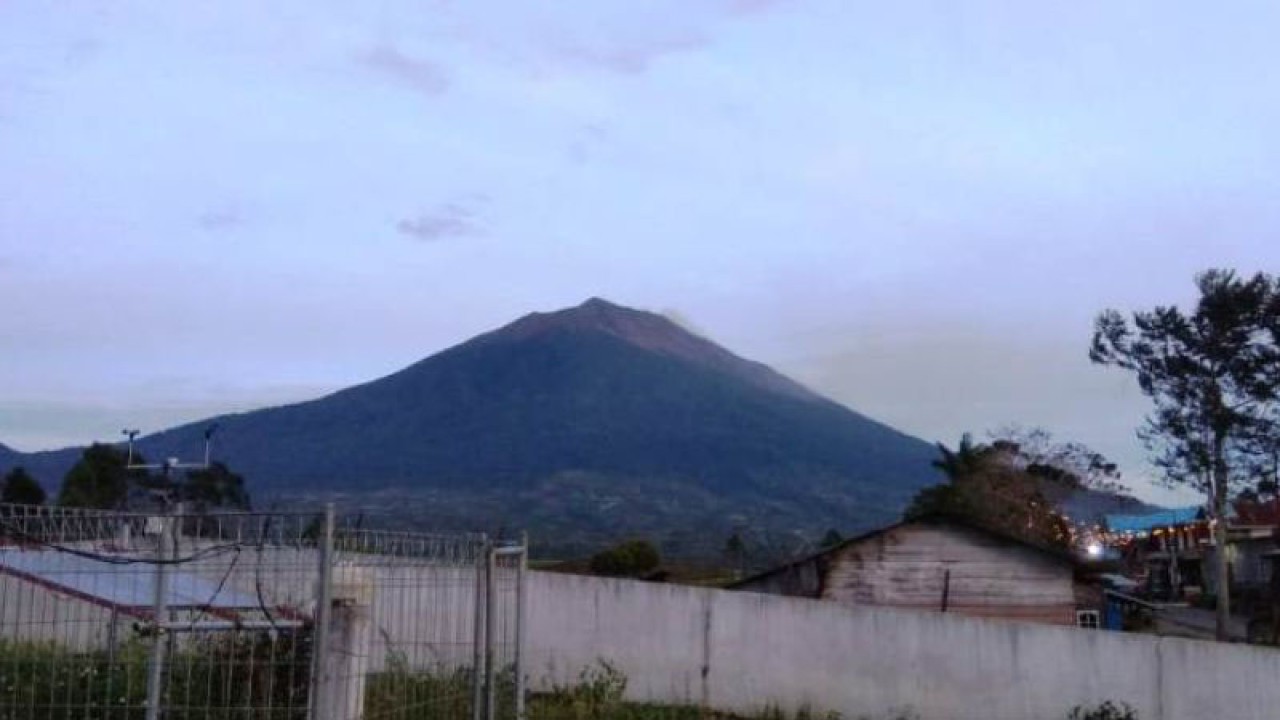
[988, 486]
[1211, 374]
[100, 479]
[20, 488]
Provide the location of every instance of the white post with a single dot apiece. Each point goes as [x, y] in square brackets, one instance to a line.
[478, 633]
[155, 667]
[490, 631]
[344, 661]
[522, 596]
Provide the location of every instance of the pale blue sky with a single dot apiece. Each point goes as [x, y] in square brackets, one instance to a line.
[916, 208]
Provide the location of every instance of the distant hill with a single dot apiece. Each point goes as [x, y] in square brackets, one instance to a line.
[8, 456]
[582, 425]
[1091, 505]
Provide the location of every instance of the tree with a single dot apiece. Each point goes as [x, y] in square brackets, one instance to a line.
[1070, 465]
[20, 488]
[1211, 375]
[215, 487]
[987, 486]
[100, 479]
[735, 551]
[631, 559]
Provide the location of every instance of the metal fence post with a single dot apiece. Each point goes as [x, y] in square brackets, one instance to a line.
[324, 603]
[490, 629]
[155, 665]
[478, 634]
[522, 595]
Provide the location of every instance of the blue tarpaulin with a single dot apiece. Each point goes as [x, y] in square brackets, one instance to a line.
[1151, 521]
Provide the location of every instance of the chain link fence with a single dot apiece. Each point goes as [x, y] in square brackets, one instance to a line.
[253, 616]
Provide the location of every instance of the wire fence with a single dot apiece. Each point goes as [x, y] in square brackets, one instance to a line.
[253, 616]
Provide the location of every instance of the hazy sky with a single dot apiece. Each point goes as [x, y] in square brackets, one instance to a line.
[916, 208]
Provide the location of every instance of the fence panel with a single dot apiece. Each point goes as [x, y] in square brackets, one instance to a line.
[272, 616]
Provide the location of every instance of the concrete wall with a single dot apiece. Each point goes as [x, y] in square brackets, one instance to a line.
[744, 652]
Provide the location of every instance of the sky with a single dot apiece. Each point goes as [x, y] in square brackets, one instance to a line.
[916, 208]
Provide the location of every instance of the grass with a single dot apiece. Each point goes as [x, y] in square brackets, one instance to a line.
[254, 676]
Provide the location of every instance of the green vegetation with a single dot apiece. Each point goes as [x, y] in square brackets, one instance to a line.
[19, 487]
[632, 558]
[988, 487]
[253, 676]
[215, 487]
[215, 678]
[102, 479]
[1106, 711]
[1213, 375]
[1015, 483]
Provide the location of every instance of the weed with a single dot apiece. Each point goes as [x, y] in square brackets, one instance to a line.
[1106, 711]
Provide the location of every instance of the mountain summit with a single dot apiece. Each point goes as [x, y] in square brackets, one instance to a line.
[647, 331]
[582, 425]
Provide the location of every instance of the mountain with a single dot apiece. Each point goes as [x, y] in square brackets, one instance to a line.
[8, 456]
[581, 425]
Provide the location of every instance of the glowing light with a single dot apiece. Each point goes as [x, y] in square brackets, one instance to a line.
[1094, 549]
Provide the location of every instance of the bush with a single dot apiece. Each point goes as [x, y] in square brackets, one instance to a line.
[630, 559]
[1106, 711]
[212, 678]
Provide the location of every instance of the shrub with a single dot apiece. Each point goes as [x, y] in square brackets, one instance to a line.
[1106, 711]
[630, 559]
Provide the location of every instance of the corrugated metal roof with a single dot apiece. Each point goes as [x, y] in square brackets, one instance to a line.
[124, 586]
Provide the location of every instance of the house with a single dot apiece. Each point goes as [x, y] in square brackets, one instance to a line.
[1174, 550]
[1165, 548]
[942, 565]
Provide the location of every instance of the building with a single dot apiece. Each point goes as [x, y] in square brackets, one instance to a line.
[1173, 551]
[941, 565]
[1165, 549]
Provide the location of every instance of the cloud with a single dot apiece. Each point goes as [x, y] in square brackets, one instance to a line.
[448, 220]
[218, 219]
[586, 139]
[82, 52]
[420, 75]
[635, 57]
[748, 7]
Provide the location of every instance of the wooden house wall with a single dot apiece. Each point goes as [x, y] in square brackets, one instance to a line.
[800, 579]
[989, 577]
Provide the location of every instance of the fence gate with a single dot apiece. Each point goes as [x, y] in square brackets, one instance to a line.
[253, 616]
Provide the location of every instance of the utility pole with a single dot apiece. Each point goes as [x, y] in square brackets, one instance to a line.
[166, 552]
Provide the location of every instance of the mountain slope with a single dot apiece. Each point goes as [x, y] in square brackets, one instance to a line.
[594, 421]
[9, 456]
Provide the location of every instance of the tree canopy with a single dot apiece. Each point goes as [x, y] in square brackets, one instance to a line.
[211, 488]
[631, 558]
[989, 486]
[1212, 375]
[100, 479]
[21, 488]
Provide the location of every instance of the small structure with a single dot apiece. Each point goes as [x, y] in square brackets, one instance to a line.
[941, 565]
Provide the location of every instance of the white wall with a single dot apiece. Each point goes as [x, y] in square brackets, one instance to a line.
[744, 652]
